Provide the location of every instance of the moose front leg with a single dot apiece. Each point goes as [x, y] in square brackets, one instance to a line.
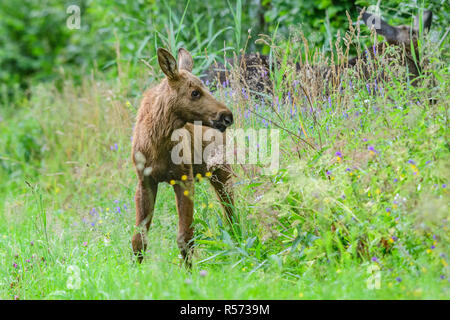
[145, 204]
[184, 194]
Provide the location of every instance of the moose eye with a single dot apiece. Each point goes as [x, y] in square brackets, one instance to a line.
[195, 94]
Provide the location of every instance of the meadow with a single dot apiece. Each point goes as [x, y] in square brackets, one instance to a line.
[357, 210]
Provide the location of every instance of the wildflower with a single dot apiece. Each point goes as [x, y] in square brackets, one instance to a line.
[365, 139]
[388, 209]
[184, 177]
[444, 186]
[410, 161]
[31, 243]
[85, 244]
[203, 205]
[172, 182]
[374, 259]
[15, 265]
[372, 150]
[398, 279]
[395, 180]
[28, 260]
[348, 170]
[188, 281]
[328, 172]
[186, 192]
[208, 174]
[210, 206]
[442, 277]
[203, 273]
[433, 247]
[338, 154]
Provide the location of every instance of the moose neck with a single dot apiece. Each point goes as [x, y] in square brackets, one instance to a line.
[163, 122]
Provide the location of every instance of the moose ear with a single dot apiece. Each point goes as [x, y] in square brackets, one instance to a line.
[185, 60]
[168, 64]
[427, 17]
[381, 27]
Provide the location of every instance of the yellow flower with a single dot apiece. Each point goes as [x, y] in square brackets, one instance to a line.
[428, 251]
[199, 176]
[338, 159]
[172, 182]
[184, 177]
[210, 205]
[186, 192]
[424, 270]
[378, 191]
[57, 190]
[208, 174]
[444, 262]
[390, 239]
[100, 221]
[107, 209]
[203, 205]
[300, 294]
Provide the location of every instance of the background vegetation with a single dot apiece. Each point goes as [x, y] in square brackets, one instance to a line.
[370, 199]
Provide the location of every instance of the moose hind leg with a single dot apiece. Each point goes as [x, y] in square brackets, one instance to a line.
[145, 203]
[221, 181]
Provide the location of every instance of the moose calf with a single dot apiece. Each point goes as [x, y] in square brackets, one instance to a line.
[177, 102]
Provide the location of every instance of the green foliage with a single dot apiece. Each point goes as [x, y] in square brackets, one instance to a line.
[36, 44]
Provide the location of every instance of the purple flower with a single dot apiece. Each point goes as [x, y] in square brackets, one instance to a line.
[444, 186]
[85, 244]
[398, 279]
[395, 180]
[365, 139]
[203, 273]
[410, 161]
[374, 259]
[31, 243]
[28, 260]
[15, 265]
[394, 238]
[433, 247]
[348, 169]
[338, 154]
[388, 209]
[442, 277]
[328, 172]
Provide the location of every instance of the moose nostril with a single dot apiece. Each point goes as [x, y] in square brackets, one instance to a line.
[226, 119]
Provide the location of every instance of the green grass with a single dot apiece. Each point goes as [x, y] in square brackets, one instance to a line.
[372, 194]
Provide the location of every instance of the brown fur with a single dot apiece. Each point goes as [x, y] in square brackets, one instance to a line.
[169, 106]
